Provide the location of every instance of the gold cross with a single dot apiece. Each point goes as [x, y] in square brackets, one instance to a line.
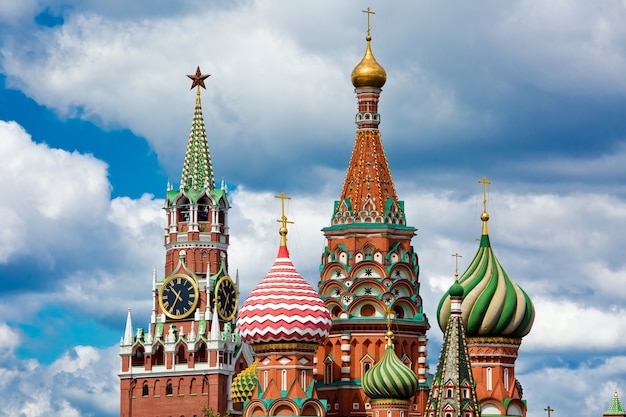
[457, 256]
[283, 218]
[549, 410]
[485, 182]
[369, 12]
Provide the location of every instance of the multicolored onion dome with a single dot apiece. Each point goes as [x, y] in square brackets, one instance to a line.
[493, 304]
[283, 308]
[244, 383]
[368, 72]
[390, 379]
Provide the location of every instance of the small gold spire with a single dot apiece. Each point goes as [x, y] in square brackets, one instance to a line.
[456, 272]
[389, 332]
[283, 219]
[484, 216]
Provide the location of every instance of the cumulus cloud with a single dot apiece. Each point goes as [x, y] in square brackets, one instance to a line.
[66, 387]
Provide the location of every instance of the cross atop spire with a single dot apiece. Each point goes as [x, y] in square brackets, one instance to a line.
[456, 271]
[549, 410]
[485, 182]
[484, 216]
[369, 13]
[283, 219]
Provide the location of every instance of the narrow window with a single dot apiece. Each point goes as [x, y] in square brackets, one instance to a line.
[506, 379]
[489, 379]
[284, 380]
[145, 390]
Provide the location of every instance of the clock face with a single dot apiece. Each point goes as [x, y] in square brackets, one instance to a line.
[226, 298]
[178, 296]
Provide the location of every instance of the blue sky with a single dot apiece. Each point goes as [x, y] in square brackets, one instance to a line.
[95, 111]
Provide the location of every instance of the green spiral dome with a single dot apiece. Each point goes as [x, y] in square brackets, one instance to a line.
[493, 304]
[390, 379]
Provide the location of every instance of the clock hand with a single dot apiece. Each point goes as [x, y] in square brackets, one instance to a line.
[171, 310]
[177, 294]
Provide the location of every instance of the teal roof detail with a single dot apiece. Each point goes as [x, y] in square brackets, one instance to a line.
[493, 304]
[615, 408]
[197, 168]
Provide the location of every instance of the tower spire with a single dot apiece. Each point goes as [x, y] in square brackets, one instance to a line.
[283, 219]
[484, 216]
[197, 168]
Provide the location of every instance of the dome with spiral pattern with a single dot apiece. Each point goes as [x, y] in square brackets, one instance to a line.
[390, 379]
[493, 304]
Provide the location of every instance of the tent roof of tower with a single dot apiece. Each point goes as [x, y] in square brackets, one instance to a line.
[453, 365]
[197, 168]
[616, 407]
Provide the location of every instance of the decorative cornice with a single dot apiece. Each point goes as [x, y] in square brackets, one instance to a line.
[494, 340]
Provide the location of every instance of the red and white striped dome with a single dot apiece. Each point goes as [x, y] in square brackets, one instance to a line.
[283, 308]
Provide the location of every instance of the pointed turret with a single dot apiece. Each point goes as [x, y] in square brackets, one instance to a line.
[453, 391]
[129, 336]
[197, 168]
[616, 409]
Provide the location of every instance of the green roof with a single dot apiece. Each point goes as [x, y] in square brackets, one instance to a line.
[616, 408]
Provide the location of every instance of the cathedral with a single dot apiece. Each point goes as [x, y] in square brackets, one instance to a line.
[354, 346]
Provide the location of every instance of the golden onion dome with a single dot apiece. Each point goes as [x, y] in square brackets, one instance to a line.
[368, 72]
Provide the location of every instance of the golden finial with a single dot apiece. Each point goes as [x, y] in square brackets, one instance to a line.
[456, 271]
[484, 216]
[389, 332]
[369, 13]
[283, 219]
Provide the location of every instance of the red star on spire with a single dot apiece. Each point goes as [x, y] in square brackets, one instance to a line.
[198, 79]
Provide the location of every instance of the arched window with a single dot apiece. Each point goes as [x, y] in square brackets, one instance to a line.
[265, 380]
[489, 379]
[137, 358]
[202, 354]
[303, 375]
[506, 379]
[449, 393]
[168, 388]
[145, 390]
[283, 382]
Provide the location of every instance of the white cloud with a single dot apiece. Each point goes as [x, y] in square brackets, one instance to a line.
[49, 195]
[67, 387]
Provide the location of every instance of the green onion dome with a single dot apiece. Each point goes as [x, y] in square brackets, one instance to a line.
[493, 304]
[390, 379]
[244, 383]
[456, 290]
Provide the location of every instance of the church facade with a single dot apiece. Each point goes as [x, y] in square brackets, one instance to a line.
[356, 345]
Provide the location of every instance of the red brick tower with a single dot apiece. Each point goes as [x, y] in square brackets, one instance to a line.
[497, 314]
[187, 358]
[369, 267]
